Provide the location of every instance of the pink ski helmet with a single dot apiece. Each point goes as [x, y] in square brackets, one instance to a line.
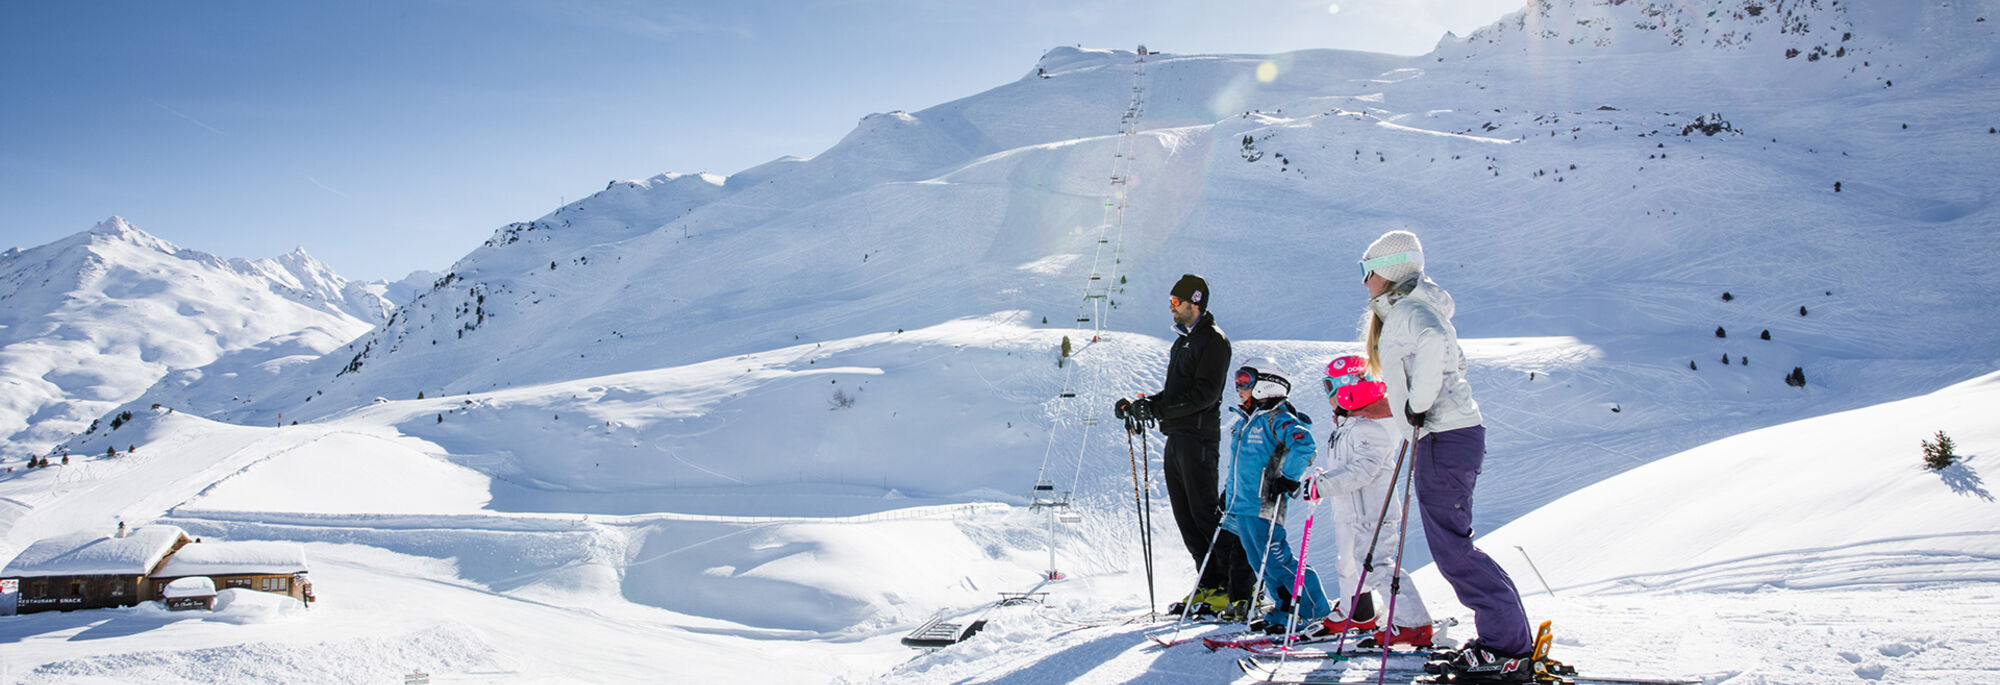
[1355, 396]
[1344, 371]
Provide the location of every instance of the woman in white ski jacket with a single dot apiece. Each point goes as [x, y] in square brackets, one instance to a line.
[1413, 347]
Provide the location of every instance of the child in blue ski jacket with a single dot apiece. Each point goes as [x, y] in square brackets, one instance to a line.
[1271, 445]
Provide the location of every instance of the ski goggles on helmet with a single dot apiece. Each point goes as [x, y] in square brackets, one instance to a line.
[1333, 384]
[1247, 378]
[1368, 266]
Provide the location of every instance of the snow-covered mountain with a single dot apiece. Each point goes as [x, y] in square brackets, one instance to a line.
[1576, 170]
[759, 426]
[91, 321]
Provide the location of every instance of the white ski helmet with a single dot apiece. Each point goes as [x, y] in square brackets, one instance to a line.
[1263, 378]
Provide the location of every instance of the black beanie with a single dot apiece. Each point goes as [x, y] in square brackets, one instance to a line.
[1192, 289]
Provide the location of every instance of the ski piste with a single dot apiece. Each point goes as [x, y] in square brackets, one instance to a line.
[1272, 670]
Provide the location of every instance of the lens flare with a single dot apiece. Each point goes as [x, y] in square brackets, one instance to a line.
[1333, 9]
[1266, 72]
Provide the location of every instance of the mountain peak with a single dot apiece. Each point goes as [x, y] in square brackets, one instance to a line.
[118, 229]
[116, 225]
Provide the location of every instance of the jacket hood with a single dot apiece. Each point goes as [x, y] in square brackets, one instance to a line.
[1430, 293]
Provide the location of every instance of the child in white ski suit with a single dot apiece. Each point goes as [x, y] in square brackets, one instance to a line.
[1360, 471]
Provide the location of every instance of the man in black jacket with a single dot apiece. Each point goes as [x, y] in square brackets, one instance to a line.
[1189, 411]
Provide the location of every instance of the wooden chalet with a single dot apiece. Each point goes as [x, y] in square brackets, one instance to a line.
[274, 567]
[88, 571]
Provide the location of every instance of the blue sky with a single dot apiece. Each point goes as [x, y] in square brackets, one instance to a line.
[385, 137]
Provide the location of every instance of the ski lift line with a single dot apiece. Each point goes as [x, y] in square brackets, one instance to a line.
[1093, 307]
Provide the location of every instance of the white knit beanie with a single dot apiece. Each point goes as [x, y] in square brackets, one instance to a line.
[1396, 243]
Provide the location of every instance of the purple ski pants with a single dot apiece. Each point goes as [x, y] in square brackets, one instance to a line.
[1447, 465]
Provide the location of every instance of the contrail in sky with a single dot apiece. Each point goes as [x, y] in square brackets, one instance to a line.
[177, 113]
[325, 187]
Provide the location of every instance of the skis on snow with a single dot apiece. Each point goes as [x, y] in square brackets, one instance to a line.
[1299, 648]
[1271, 662]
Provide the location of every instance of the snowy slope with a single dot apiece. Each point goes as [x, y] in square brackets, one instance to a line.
[1814, 552]
[91, 321]
[1558, 182]
[1693, 565]
[790, 413]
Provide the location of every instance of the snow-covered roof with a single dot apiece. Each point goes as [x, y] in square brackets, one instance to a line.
[236, 558]
[87, 553]
[191, 586]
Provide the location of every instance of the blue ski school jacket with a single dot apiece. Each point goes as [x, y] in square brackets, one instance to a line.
[1271, 441]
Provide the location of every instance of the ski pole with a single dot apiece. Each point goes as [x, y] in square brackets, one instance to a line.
[1257, 590]
[1368, 560]
[1396, 575]
[1538, 571]
[1305, 547]
[1146, 518]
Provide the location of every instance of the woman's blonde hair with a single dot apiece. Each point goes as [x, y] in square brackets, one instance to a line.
[1371, 323]
[1372, 326]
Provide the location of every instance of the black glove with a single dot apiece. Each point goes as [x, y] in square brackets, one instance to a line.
[1143, 408]
[1283, 486]
[1416, 417]
[1122, 409]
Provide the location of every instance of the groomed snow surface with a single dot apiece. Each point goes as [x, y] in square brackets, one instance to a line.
[756, 428]
[1820, 551]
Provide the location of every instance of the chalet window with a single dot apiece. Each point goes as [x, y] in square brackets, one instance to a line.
[76, 588]
[38, 590]
[237, 582]
[118, 588]
[277, 584]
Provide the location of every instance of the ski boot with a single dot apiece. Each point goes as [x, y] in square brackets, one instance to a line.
[1271, 623]
[1345, 625]
[1476, 663]
[1199, 604]
[1420, 637]
[1234, 611]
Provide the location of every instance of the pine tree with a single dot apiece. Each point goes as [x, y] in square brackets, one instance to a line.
[1938, 455]
[1766, 335]
[1692, 367]
[1720, 333]
[1797, 378]
[1802, 310]
[1727, 297]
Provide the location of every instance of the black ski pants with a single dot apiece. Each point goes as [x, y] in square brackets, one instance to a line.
[1195, 492]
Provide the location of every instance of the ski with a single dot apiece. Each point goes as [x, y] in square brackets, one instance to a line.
[1271, 670]
[1322, 672]
[1273, 645]
[1181, 634]
[1566, 680]
[1259, 639]
[1310, 653]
